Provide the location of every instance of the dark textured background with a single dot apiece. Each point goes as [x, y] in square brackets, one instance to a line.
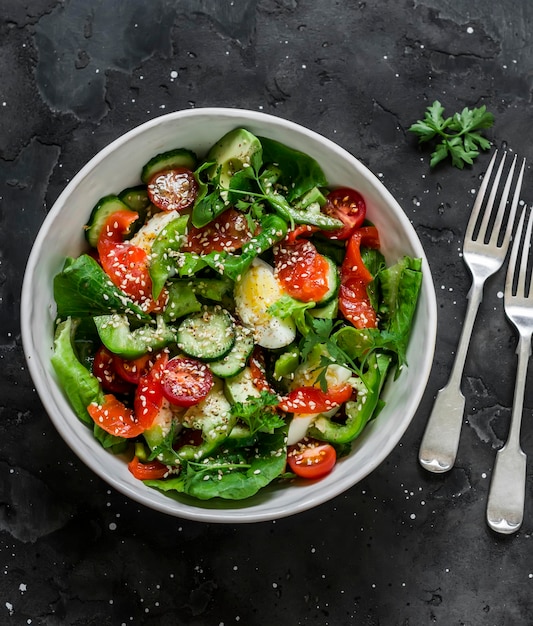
[401, 548]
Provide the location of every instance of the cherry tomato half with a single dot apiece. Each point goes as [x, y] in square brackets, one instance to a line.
[309, 400]
[302, 270]
[348, 206]
[131, 370]
[186, 381]
[311, 459]
[152, 470]
[173, 190]
[229, 232]
[104, 368]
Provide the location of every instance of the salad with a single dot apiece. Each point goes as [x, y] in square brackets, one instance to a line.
[233, 321]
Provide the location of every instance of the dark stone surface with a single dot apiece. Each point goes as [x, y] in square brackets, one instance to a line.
[403, 547]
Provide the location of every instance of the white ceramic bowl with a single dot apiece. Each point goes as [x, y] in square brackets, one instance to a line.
[118, 166]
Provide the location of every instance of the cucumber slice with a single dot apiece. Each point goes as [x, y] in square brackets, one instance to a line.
[235, 361]
[105, 207]
[208, 335]
[328, 311]
[136, 198]
[181, 157]
[333, 283]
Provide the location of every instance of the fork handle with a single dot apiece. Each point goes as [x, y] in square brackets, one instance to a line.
[505, 506]
[440, 442]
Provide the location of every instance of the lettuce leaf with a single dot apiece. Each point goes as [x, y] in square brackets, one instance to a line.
[82, 289]
[80, 386]
[400, 286]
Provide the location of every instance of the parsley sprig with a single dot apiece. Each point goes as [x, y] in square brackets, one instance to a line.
[258, 413]
[457, 137]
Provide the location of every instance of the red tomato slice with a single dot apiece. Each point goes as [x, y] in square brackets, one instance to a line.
[173, 190]
[104, 368]
[147, 471]
[354, 302]
[303, 230]
[149, 396]
[229, 231]
[301, 270]
[186, 381]
[258, 370]
[308, 400]
[311, 459]
[117, 226]
[348, 206]
[115, 418]
[131, 370]
[125, 264]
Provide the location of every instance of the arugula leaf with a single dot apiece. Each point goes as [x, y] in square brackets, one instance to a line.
[457, 137]
[257, 412]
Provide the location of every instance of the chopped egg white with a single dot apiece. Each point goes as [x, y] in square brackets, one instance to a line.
[146, 235]
[305, 376]
[255, 291]
[298, 427]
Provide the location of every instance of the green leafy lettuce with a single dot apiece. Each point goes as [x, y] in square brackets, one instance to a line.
[82, 289]
[231, 474]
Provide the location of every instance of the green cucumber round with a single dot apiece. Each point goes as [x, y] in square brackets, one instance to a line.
[208, 335]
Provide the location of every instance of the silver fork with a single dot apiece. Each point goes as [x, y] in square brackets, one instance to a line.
[505, 507]
[485, 247]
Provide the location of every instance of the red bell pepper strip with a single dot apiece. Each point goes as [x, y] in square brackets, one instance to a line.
[354, 302]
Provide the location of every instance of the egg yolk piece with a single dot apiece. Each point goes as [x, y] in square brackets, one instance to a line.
[254, 293]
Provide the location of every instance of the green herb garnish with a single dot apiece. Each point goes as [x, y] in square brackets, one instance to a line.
[258, 413]
[457, 137]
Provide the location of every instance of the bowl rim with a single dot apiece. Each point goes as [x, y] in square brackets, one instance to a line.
[141, 493]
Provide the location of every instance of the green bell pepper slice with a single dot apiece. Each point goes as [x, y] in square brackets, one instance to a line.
[273, 229]
[116, 335]
[162, 264]
[360, 411]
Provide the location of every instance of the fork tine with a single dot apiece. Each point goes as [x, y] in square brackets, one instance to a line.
[522, 270]
[510, 290]
[512, 211]
[483, 228]
[528, 239]
[484, 232]
[469, 234]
